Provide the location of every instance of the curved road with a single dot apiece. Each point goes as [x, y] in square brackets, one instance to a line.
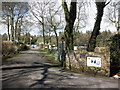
[30, 70]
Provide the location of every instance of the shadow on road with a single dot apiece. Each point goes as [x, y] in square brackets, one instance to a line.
[9, 81]
[24, 71]
[29, 67]
[41, 81]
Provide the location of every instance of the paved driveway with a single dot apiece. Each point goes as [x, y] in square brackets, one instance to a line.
[30, 70]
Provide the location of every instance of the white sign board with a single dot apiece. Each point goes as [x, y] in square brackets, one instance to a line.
[94, 61]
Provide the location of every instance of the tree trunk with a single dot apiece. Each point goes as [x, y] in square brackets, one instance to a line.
[19, 30]
[8, 25]
[49, 37]
[43, 27]
[56, 36]
[70, 17]
[118, 29]
[12, 24]
[16, 30]
[69, 36]
[12, 28]
[43, 34]
[92, 42]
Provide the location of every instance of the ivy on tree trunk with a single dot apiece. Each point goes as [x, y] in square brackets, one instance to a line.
[70, 16]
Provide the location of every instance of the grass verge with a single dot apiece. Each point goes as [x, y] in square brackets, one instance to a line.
[50, 58]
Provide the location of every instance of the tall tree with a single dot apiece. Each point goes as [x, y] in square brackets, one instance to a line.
[11, 13]
[39, 10]
[70, 16]
[81, 16]
[54, 19]
[100, 9]
[80, 21]
[7, 12]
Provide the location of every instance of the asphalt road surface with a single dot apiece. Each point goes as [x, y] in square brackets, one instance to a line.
[29, 70]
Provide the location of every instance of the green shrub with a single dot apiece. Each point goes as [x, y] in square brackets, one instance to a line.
[115, 55]
[20, 42]
[23, 47]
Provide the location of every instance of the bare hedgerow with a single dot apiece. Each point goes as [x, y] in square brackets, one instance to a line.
[8, 48]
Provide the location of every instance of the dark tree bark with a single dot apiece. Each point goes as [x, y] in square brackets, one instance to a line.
[70, 17]
[43, 33]
[92, 42]
[56, 36]
[53, 23]
[42, 23]
[19, 28]
[43, 27]
[12, 28]
[16, 30]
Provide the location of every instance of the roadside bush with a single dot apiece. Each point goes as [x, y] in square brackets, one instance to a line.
[8, 48]
[20, 42]
[23, 47]
[115, 55]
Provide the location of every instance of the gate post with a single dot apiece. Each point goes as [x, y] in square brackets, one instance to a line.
[63, 54]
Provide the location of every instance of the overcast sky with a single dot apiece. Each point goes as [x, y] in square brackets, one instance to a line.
[91, 10]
